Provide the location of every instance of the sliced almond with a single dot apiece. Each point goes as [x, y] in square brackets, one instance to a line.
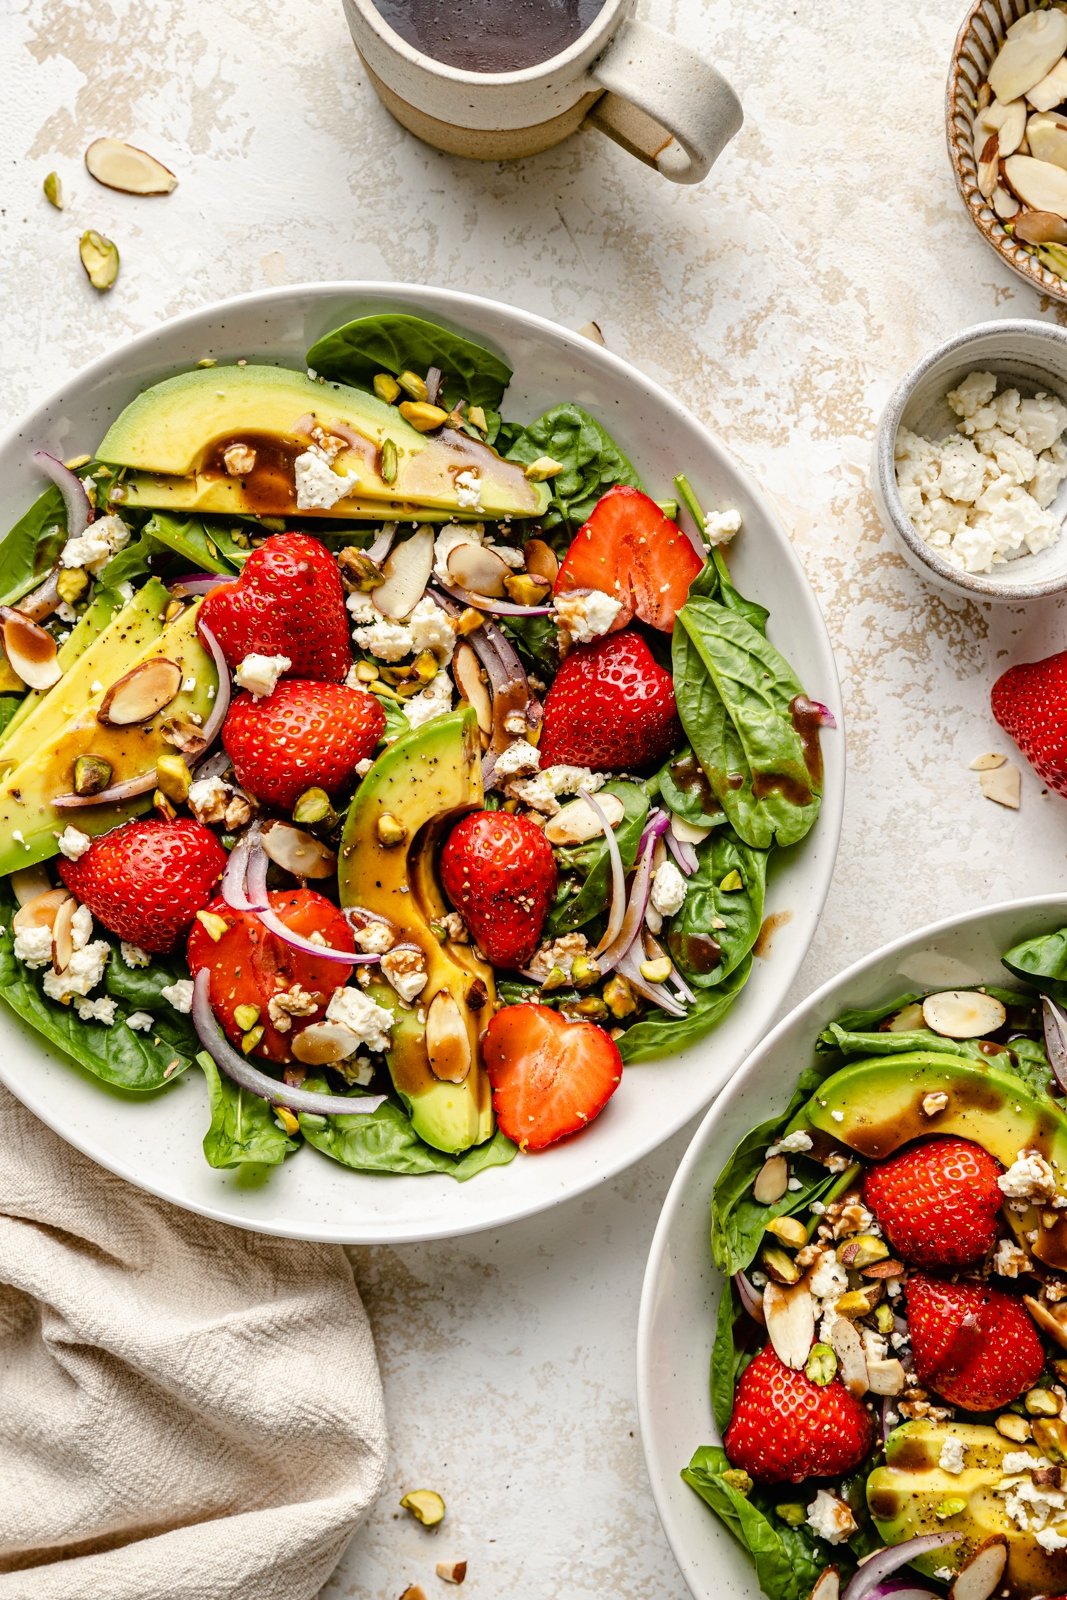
[474, 567]
[687, 833]
[41, 911]
[906, 1020]
[989, 166]
[1038, 184]
[847, 1346]
[790, 1313]
[772, 1181]
[827, 1585]
[448, 1046]
[1033, 46]
[298, 852]
[1051, 91]
[886, 1377]
[1046, 135]
[63, 935]
[577, 822]
[30, 650]
[140, 693]
[29, 883]
[451, 1571]
[1007, 120]
[987, 763]
[591, 330]
[122, 166]
[1050, 1319]
[321, 1044]
[1004, 203]
[407, 571]
[470, 681]
[963, 1014]
[184, 735]
[1040, 227]
[980, 1576]
[541, 561]
[1004, 786]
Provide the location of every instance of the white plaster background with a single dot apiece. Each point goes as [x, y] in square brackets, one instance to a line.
[783, 299]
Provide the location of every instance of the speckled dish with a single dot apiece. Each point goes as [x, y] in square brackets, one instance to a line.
[974, 52]
[680, 1295]
[1032, 356]
[155, 1140]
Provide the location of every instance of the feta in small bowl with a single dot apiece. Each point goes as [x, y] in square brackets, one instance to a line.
[970, 466]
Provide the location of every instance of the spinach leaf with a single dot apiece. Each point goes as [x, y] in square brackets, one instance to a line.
[1030, 1062]
[9, 704]
[882, 1043]
[862, 1021]
[164, 535]
[592, 462]
[685, 790]
[243, 1127]
[1042, 962]
[592, 862]
[735, 694]
[28, 551]
[384, 1141]
[731, 917]
[537, 641]
[117, 1054]
[660, 1035]
[787, 1560]
[394, 342]
[727, 1360]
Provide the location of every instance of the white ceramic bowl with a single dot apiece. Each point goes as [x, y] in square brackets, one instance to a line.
[1029, 355]
[681, 1288]
[155, 1142]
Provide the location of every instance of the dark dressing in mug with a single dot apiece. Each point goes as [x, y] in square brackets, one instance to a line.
[490, 35]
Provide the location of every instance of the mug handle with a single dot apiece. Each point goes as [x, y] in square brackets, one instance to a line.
[664, 103]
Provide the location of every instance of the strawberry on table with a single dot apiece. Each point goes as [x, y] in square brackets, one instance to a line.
[499, 872]
[147, 879]
[259, 981]
[973, 1345]
[550, 1076]
[1030, 703]
[289, 600]
[631, 551]
[785, 1428]
[302, 736]
[937, 1202]
[610, 707]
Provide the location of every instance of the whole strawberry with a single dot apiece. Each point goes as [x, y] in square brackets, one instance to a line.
[785, 1428]
[1030, 703]
[303, 736]
[974, 1346]
[288, 601]
[937, 1202]
[610, 707]
[500, 874]
[147, 879]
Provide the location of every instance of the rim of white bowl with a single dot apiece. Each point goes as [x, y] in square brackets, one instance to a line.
[698, 1148]
[974, 585]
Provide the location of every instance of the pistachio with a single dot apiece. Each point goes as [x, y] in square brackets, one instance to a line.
[792, 1514]
[250, 1039]
[884, 1319]
[314, 806]
[584, 971]
[862, 1251]
[856, 1303]
[1050, 1436]
[619, 996]
[246, 1017]
[285, 1117]
[790, 1230]
[122, 166]
[164, 806]
[413, 385]
[174, 609]
[556, 979]
[91, 774]
[542, 469]
[954, 1506]
[771, 1182]
[387, 461]
[738, 1480]
[140, 693]
[391, 831]
[358, 570]
[71, 584]
[1013, 1427]
[469, 620]
[477, 419]
[386, 387]
[657, 971]
[426, 1505]
[213, 925]
[778, 1265]
[448, 1046]
[424, 667]
[53, 190]
[100, 258]
[525, 589]
[366, 671]
[456, 1571]
[422, 416]
[590, 1007]
[732, 882]
[821, 1365]
[173, 777]
[1041, 1403]
[298, 852]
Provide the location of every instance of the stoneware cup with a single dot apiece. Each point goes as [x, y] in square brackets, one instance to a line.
[653, 95]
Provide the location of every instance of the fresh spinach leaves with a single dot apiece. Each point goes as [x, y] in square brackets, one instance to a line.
[592, 864]
[728, 1359]
[685, 790]
[243, 1129]
[659, 1035]
[384, 1141]
[592, 462]
[395, 342]
[787, 1560]
[1042, 962]
[32, 545]
[202, 548]
[723, 902]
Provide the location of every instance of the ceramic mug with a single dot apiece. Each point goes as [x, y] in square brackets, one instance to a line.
[654, 96]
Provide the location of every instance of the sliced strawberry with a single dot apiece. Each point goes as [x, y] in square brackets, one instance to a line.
[303, 736]
[631, 551]
[550, 1077]
[785, 1428]
[611, 707]
[147, 879]
[499, 872]
[937, 1202]
[251, 967]
[974, 1346]
[1030, 703]
[288, 601]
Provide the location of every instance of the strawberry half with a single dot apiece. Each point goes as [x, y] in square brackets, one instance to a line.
[631, 551]
[500, 874]
[974, 1346]
[610, 707]
[550, 1077]
[147, 879]
[1030, 703]
[288, 601]
[785, 1428]
[937, 1202]
[303, 736]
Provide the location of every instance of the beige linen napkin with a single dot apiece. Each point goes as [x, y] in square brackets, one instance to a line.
[187, 1411]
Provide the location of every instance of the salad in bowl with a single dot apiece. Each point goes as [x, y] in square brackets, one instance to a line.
[408, 769]
[889, 1364]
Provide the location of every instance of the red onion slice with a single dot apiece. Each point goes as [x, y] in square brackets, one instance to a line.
[224, 690]
[42, 601]
[250, 884]
[106, 797]
[383, 543]
[325, 952]
[640, 890]
[241, 1070]
[433, 384]
[1055, 1026]
[75, 496]
[881, 1566]
[617, 904]
[825, 717]
[196, 583]
[682, 851]
[627, 965]
[495, 608]
[750, 1298]
[234, 886]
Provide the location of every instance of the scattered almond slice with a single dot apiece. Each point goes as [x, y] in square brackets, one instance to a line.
[1040, 227]
[541, 560]
[906, 1020]
[448, 1046]
[1051, 1319]
[125, 167]
[28, 884]
[772, 1179]
[847, 1346]
[298, 852]
[321, 1044]
[39, 910]
[474, 567]
[470, 681]
[1041, 185]
[989, 166]
[1051, 91]
[1004, 203]
[30, 650]
[979, 1577]
[451, 1571]
[1031, 49]
[790, 1313]
[140, 693]
[577, 822]
[407, 571]
[63, 934]
[1003, 785]
[963, 1014]
[1046, 135]
[827, 1585]
[988, 762]
[591, 330]
[1008, 121]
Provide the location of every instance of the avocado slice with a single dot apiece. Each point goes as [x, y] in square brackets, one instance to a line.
[905, 1496]
[174, 436]
[28, 789]
[423, 780]
[875, 1106]
[114, 647]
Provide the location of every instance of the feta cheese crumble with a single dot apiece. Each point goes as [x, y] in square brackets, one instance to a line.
[1028, 1178]
[140, 1021]
[95, 547]
[180, 994]
[318, 486]
[73, 843]
[586, 614]
[433, 701]
[830, 1518]
[541, 793]
[133, 955]
[951, 1457]
[369, 1022]
[517, 758]
[720, 527]
[102, 1010]
[84, 971]
[792, 1144]
[259, 674]
[468, 491]
[668, 889]
[33, 946]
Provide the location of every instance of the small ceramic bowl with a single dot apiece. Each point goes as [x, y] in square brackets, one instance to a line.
[977, 44]
[1031, 357]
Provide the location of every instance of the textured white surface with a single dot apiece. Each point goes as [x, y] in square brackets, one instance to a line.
[783, 299]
